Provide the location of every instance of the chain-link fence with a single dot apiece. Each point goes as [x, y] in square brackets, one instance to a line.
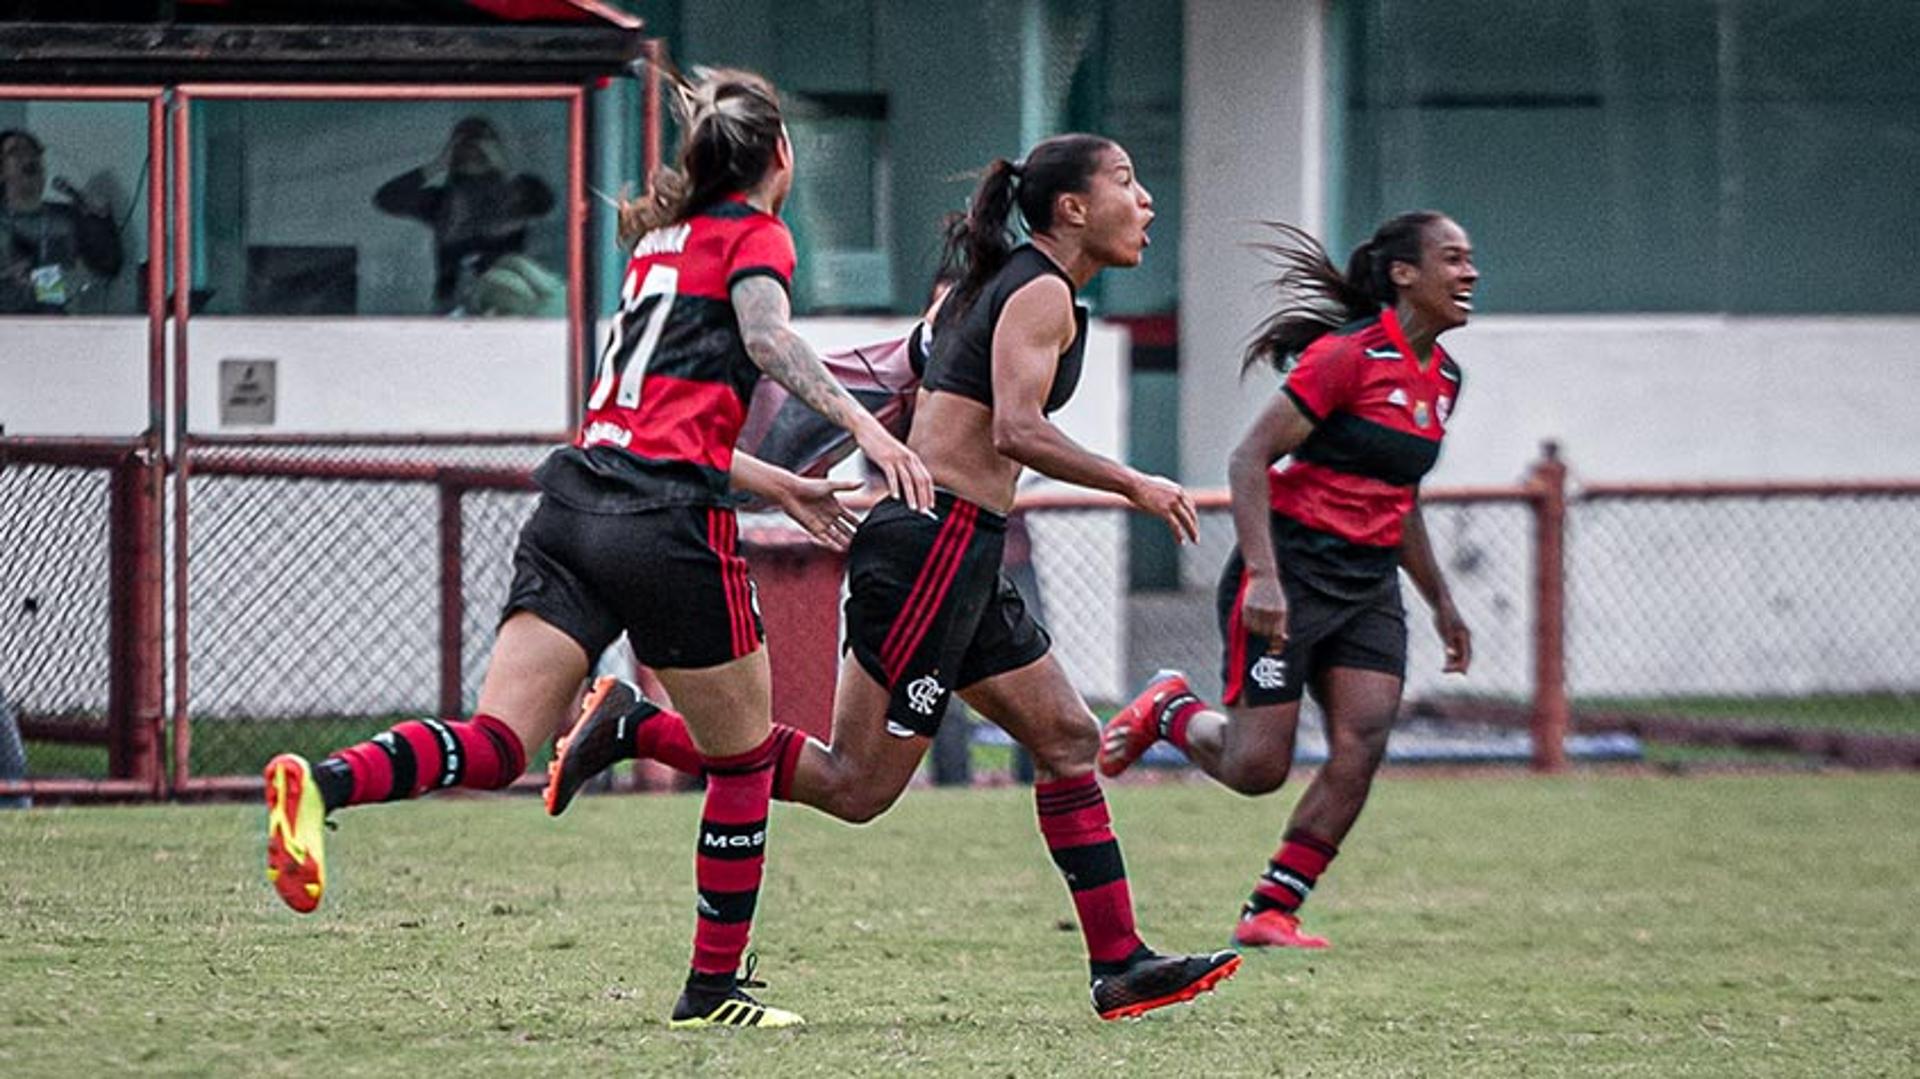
[333, 589]
[1784, 607]
[80, 628]
[328, 591]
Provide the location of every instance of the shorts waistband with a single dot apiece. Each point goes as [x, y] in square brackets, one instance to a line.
[944, 502]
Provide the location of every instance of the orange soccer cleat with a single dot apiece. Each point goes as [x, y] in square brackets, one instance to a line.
[296, 833]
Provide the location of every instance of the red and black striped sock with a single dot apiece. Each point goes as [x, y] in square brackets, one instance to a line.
[664, 738]
[659, 734]
[1079, 835]
[731, 857]
[1175, 715]
[1292, 873]
[419, 756]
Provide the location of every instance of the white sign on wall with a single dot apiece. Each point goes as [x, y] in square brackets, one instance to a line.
[247, 392]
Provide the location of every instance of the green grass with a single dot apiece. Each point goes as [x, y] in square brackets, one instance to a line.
[1500, 925]
[1876, 713]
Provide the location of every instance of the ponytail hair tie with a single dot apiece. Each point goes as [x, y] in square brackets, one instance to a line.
[1018, 169]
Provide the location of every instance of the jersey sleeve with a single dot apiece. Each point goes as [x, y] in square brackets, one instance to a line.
[1323, 379]
[764, 247]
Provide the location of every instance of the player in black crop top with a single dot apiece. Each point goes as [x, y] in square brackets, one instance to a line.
[929, 613]
[962, 359]
[1312, 597]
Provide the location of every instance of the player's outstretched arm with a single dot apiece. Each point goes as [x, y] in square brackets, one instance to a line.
[760, 304]
[813, 504]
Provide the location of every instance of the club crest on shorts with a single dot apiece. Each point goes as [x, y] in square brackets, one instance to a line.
[1269, 672]
[922, 693]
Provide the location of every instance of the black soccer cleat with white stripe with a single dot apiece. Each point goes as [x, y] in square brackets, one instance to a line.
[721, 1000]
[1155, 981]
[602, 738]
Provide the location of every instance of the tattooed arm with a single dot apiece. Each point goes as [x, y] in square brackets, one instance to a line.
[760, 305]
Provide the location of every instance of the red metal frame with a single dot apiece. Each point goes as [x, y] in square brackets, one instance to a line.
[574, 97]
[1716, 491]
[136, 636]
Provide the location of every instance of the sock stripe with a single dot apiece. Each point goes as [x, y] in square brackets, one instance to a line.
[728, 908]
[1309, 840]
[506, 745]
[402, 763]
[753, 760]
[789, 743]
[1063, 796]
[1092, 866]
[453, 763]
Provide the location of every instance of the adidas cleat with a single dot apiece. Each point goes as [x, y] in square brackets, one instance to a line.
[1274, 929]
[727, 1005]
[1155, 981]
[296, 833]
[599, 740]
[1134, 729]
[735, 1009]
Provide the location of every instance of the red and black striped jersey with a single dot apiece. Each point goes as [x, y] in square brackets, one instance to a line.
[674, 379]
[1342, 497]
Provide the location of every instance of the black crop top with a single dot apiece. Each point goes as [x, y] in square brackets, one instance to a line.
[961, 360]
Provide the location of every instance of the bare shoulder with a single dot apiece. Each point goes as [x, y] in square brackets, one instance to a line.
[1041, 308]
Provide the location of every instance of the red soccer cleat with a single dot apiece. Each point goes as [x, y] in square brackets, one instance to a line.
[296, 833]
[1134, 729]
[1274, 929]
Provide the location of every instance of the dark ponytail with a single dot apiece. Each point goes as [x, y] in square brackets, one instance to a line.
[1315, 296]
[979, 242]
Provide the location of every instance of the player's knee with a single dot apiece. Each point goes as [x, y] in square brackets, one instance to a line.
[1263, 776]
[1354, 758]
[864, 806]
[1069, 747]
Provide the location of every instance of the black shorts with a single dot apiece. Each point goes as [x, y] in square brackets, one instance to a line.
[671, 578]
[1323, 632]
[928, 610]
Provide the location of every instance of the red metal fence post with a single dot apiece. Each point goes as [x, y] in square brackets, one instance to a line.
[1548, 484]
[453, 605]
[135, 641]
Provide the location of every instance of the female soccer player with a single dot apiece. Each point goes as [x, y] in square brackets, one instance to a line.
[635, 532]
[1312, 595]
[928, 611]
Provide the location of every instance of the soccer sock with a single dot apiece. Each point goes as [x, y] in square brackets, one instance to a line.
[729, 861]
[1174, 716]
[663, 737]
[422, 755]
[654, 733]
[788, 744]
[1291, 875]
[1079, 835]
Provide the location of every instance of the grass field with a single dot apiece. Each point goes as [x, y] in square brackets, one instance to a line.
[1496, 924]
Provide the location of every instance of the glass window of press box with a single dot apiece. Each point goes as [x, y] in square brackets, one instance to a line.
[73, 207]
[1748, 156]
[428, 208]
[894, 107]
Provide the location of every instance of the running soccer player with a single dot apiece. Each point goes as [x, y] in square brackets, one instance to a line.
[1311, 597]
[928, 610]
[635, 532]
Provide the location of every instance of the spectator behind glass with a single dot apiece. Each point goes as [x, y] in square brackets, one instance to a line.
[44, 245]
[477, 212]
